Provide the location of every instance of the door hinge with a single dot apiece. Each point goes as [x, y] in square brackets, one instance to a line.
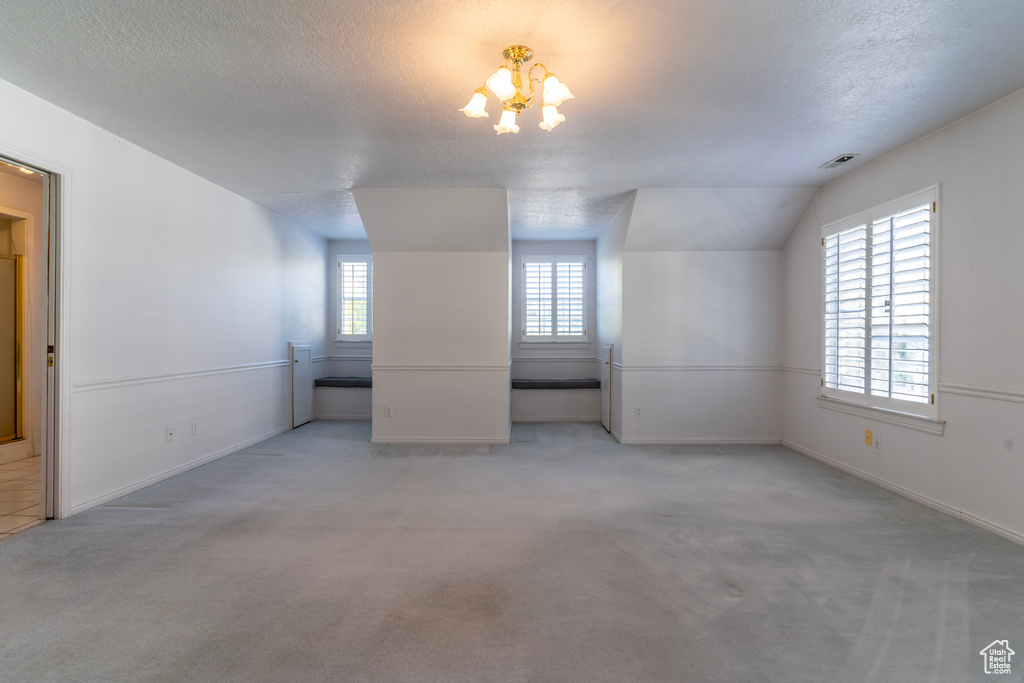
[933, 399]
[822, 241]
[822, 381]
[933, 207]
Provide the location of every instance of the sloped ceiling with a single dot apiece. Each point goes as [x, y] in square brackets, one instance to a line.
[292, 103]
[715, 219]
[435, 220]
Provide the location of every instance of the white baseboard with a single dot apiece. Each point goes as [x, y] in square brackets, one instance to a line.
[174, 471]
[342, 417]
[912, 495]
[998, 530]
[450, 439]
[615, 435]
[700, 442]
[548, 418]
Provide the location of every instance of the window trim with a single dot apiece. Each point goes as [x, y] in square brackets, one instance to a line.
[930, 195]
[900, 418]
[562, 340]
[354, 258]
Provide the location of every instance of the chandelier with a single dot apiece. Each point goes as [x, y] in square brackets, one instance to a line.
[507, 85]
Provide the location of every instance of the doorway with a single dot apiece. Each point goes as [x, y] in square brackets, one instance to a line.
[28, 335]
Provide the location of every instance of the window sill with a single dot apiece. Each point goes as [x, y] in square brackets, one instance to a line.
[894, 417]
[353, 344]
[552, 345]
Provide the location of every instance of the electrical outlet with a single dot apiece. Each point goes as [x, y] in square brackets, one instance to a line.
[170, 434]
[878, 441]
[195, 427]
[867, 437]
[639, 412]
[389, 411]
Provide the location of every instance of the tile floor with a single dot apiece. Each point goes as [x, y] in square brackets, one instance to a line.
[19, 496]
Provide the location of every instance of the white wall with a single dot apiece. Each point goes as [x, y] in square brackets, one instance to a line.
[977, 467]
[183, 297]
[701, 308]
[610, 245]
[700, 346]
[441, 314]
[695, 322]
[441, 346]
[26, 196]
[343, 403]
[440, 308]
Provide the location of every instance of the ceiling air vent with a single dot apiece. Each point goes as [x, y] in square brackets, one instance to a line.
[841, 159]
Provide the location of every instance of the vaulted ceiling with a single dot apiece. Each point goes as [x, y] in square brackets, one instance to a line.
[292, 103]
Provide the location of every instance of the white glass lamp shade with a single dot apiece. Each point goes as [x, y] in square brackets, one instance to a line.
[500, 83]
[475, 108]
[507, 124]
[555, 92]
[551, 118]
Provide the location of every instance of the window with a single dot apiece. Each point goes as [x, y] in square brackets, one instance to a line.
[554, 298]
[355, 298]
[878, 305]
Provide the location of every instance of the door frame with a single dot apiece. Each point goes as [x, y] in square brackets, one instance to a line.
[57, 395]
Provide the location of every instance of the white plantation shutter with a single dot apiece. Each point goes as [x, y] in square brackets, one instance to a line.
[900, 322]
[845, 305]
[570, 284]
[537, 299]
[355, 308]
[554, 298]
[877, 307]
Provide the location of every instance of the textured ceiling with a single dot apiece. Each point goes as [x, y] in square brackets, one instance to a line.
[293, 103]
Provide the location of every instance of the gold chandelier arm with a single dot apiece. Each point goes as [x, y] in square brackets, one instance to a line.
[546, 72]
[532, 80]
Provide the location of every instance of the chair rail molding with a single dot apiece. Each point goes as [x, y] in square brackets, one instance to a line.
[98, 385]
[995, 394]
